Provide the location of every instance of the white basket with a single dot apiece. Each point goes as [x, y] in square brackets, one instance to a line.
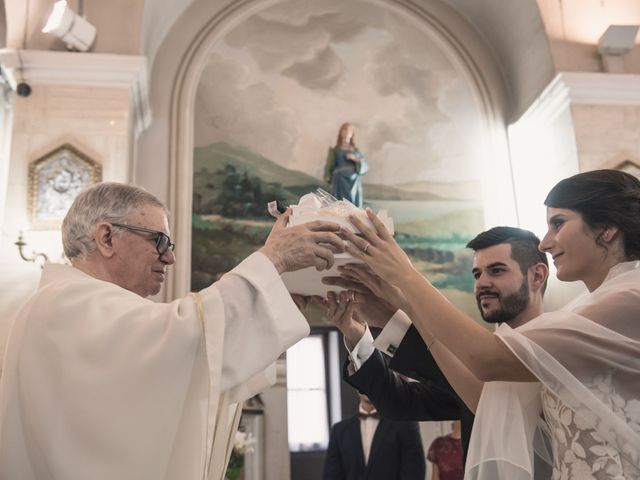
[308, 280]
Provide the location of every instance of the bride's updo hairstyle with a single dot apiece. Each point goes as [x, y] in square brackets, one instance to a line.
[604, 198]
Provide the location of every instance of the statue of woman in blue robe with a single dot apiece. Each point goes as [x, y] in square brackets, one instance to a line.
[345, 167]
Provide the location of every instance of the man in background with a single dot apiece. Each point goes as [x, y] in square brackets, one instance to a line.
[367, 447]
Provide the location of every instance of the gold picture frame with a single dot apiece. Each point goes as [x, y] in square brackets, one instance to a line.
[55, 180]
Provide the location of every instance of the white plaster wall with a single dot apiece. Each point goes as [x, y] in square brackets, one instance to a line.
[606, 135]
[543, 151]
[158, 18]
[516, 34]
[94, 120]
[575, 26]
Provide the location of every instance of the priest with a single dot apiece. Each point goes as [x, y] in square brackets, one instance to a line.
[100, 382]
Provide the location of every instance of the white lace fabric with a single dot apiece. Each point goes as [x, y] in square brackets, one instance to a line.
[587, 359]
[580, 451]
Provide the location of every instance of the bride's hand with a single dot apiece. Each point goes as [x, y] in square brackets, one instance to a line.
[377, 248]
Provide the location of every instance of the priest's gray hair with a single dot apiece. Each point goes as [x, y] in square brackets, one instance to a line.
[111, 202]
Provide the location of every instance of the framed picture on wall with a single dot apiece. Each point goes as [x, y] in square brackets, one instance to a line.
[54, 182]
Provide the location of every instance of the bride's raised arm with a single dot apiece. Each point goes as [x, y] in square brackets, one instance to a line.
[437, 320]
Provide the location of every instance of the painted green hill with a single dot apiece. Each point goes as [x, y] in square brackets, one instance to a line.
[448, 190]
[216, 156]
[210, 163]
[374, 191]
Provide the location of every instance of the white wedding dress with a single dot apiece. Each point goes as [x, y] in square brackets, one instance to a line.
[586, 358]
[580, 451]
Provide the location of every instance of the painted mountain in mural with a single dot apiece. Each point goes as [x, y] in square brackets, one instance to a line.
[214, 163]
[234, 181]
[216, 156]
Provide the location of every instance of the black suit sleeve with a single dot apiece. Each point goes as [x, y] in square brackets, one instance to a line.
[399, 399]
[413, 359]
[412, 459]
[333, 465]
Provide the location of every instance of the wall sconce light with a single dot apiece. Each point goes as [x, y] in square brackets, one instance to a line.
[70, 27]
[34, 256]
[617, 40]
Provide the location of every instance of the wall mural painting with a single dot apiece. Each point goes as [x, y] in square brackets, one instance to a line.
[269, 104]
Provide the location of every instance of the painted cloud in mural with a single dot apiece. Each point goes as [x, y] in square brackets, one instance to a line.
[282, 81]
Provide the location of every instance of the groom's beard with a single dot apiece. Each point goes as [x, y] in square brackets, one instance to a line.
[510, 305]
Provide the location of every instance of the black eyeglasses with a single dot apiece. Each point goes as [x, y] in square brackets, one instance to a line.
[163, 242]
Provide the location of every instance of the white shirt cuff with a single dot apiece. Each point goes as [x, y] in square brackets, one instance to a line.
[392, 334]
[362, 351]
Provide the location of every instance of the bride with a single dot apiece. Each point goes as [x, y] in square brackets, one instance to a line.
[578, 367]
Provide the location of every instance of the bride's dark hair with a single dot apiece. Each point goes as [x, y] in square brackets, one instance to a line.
[604, 198]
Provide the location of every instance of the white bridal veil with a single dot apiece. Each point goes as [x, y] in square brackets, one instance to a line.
[586, 355]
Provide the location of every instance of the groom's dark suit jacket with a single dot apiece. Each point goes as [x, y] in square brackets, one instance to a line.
[430, 398]
[396, 452]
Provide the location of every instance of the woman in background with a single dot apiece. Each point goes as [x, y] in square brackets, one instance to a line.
[578, 366]
[445, 455]
[345, 167]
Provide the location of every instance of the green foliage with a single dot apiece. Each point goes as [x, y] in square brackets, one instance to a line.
[218, 247]
[233, 193]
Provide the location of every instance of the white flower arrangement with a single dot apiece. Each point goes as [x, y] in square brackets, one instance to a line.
[244, 442]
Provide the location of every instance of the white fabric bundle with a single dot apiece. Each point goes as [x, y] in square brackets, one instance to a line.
[311, 208]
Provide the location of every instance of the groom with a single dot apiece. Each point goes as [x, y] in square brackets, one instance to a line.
[510, 278]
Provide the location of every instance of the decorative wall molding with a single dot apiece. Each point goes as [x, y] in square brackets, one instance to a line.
[601, 88]
[41, 67]
[553, 100]
[584, 88]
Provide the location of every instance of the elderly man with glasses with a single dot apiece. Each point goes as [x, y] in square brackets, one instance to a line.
[100, 382]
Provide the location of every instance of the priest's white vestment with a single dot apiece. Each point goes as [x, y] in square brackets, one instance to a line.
[99, 383]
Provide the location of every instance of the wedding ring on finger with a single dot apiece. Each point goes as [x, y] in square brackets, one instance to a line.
[366, 247]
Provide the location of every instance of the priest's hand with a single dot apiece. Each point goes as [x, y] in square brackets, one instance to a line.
[308, 245]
